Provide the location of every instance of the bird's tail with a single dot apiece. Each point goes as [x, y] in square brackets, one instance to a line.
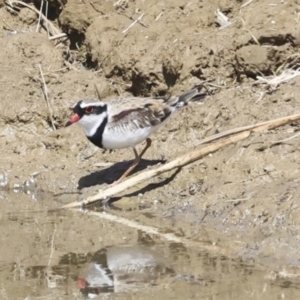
[194, 94]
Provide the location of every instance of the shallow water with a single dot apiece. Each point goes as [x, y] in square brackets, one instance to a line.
[74, 255]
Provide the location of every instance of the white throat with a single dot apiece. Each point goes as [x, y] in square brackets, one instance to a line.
[90, 123]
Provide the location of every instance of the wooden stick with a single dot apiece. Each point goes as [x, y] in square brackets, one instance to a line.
[176, 163]
[47, 24]
[281, 121]
[237, 135]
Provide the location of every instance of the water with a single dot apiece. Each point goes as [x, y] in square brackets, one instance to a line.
[73, 255]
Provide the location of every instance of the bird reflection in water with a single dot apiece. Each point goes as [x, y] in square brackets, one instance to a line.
[122, 269]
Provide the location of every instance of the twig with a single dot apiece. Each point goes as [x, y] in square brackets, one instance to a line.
[97, 91]
[53, 30]
[253, 36]
[40, 15]
[215, 85]
[176, 163]
[158, 17]
[155, 231]
[286, 140]
[97, 10]
[58, 36]
[118, 3]
[103, 164]
[222, 19]
[245, 4]
[4, 21]
[11, 8]
[254, 127]
[131, 18]
[237, 135]
[132, 24]
[45, 90]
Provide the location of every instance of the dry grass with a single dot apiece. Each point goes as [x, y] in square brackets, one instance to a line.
[45, 92]
[134, 22]
[51, 29]
[222, 19]
[285, 72]
[272, 82]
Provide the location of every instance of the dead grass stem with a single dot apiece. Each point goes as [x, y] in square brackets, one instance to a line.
[49, 25]
[134, 22]
[45, 92]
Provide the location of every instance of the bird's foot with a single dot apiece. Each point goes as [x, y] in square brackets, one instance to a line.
[114, 183]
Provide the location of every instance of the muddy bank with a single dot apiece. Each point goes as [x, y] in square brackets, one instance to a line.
[248, 192]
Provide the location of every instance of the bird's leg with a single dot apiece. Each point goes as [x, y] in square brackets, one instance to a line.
[134, 164]
[136, 160]
[148, 144]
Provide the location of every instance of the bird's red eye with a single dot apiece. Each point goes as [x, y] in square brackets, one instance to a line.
[89, 110]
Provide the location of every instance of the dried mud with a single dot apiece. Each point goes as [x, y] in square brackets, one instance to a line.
[246, 194]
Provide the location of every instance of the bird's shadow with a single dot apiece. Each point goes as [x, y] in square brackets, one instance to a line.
[147, 188]
[113, 173]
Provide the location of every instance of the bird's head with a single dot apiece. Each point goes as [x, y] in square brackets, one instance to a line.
[89, 115]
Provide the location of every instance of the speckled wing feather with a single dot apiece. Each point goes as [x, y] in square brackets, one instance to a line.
[134, 113]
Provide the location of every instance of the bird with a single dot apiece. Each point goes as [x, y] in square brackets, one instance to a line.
[121, 268]
[125, 122]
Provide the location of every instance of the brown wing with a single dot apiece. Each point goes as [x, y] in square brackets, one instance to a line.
[137, 113]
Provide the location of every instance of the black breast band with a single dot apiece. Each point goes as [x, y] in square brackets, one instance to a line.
[96, 139]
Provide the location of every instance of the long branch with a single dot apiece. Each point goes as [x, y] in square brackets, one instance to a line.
[234, 136]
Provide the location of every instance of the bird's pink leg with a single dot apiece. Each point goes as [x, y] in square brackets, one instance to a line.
[135, 162]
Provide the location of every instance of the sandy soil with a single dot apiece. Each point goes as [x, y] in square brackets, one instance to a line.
[247, 192]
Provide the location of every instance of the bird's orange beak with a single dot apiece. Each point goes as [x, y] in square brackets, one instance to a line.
[75, 118]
